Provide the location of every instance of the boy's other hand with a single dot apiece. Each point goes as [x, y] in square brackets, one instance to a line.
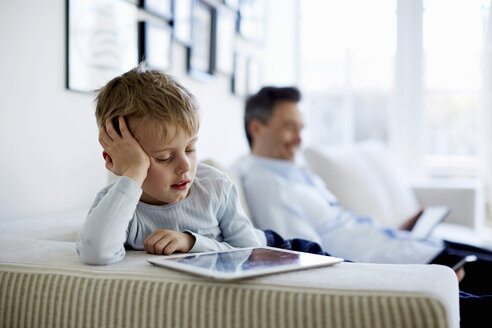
[166, 242]
[124, 156]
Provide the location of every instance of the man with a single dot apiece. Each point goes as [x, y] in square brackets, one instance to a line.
[287, 198]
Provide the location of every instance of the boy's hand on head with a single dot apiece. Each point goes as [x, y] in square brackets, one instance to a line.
[166, 242]
[124, 156]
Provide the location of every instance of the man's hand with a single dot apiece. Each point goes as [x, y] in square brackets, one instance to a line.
[166, 242]
[410, 223]
[460, 273]
[123, 154]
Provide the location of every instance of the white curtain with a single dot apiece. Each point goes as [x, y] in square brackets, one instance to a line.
[486, 110]
[406, 120]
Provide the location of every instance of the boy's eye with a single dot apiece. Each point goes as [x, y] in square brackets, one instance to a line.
[164, 160]
[170, 158]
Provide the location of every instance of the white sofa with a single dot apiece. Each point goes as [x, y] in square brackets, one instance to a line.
[366, 179]
[44, 284]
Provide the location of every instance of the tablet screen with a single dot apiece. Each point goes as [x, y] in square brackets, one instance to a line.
[243, 263]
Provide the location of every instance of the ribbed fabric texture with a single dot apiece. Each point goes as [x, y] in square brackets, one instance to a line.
[212, 210]
[212, 213]
[29, 299]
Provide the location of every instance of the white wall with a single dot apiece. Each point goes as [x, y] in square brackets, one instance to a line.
[50, 158]
[282, 50]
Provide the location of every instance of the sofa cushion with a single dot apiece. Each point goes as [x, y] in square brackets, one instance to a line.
[44, 283]
[365, 179]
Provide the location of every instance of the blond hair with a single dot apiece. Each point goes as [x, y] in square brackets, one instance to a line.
[148, 96]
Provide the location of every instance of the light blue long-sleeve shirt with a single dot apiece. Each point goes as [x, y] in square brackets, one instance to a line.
[287, 198]
[212, 213]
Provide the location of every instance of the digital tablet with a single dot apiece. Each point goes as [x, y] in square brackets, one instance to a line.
[242, 262]
[428, 220]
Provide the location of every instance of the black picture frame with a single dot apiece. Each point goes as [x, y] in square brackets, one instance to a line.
[182, 21]
[239, 81]
[101, 42]
[160, 8]
[201, 53]
[248, 75]
[155, 45]
[226, 20]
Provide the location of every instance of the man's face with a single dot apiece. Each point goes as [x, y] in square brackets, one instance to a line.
[280, 138]
[172, 168]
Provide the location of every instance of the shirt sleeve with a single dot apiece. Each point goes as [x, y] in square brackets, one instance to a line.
[237, 229]
[273, 206]
[102, 238]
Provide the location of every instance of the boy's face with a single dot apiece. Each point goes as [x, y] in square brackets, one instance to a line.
[172, 168]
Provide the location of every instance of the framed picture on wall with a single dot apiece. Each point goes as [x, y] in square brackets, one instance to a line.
[254, 69]
[154, 44]
[201, 54]
[161, 8]
[233, 4]
[252, 19]
[240, 76]
[101, 38]
[225, 40]
[182, 20]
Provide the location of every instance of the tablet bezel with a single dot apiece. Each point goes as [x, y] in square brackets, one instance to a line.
[163, 261]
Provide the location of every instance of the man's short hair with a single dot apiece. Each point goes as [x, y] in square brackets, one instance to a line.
[152, 96]
[260, 105]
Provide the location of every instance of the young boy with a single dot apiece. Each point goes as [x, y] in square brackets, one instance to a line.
[163, 201]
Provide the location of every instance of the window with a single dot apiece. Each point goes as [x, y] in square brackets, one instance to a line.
[452, 39]
[349, 61]
[347, 51]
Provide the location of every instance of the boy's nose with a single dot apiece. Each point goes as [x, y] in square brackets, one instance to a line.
[183, 165]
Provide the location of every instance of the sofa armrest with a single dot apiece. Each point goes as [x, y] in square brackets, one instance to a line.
[135, 293]
[465, 197]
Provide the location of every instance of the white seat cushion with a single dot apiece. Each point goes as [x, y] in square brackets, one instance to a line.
[366, 180]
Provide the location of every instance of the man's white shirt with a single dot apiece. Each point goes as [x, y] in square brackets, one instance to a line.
[292, 201]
